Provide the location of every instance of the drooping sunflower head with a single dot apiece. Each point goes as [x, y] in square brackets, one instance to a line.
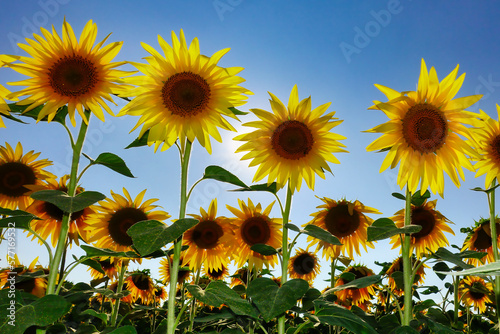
[292, 143]
[160, 294]
[347, 221]
[184, 94]
[36, 285]
[182, 275]
[210, 241]
[356, 296]
[423, 133]
[141, 286]
[433, 223]
[253, 226]
[304, 265]
[108, 226]
[65, 71]
[397, 265]
[474, 291]
[480, 240]
[17, 172]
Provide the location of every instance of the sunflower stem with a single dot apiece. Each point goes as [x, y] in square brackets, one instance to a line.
[193, 303]
[174, 272]
[285, 250]
[63, 234]
[119, 287]
[494, 244]
[332, 272]
[407, 267]
[456, 280]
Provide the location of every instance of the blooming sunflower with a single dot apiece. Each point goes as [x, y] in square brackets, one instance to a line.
[423, 131]
[431, 236]
[114, 287]
[34, 285]
[474, 291]
[209, 241]
[254, 226]
[355, 296]
[347, 221]
[141, 286]
[397, 265]
[292, 143]
[184, 94]
[160, 294]
[51, 216]
[18, 171]
[480, 240]
[113, 217]
[64, 71]
[183, 274]
[304, 265]
[111, 267]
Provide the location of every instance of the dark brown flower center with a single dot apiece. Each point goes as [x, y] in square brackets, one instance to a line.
[483, 239]
[73, 76]
[186, 94]
[340, 222]
[495, 149]
[106, 264]
[292, 140]
[13, 177]
[206, 234]
[121, 221]
[141, 281]
[216, 273]
[423, 217]
[476, 291]
[256, 230]
[27, 285]
[304, 264]
[424, 128]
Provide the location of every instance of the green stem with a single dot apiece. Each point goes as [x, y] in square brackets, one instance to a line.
[456, 280]
[494, 243]
[49, 250]
[285, 250]
[63, 234]
[332, 273]
[174, 269]
[119, 287]
[407, 267]
[193, 303]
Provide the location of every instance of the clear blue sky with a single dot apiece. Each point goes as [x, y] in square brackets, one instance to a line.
[335, 51]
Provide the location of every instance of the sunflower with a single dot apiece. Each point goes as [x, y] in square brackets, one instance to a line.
[113, 217]
[254, 226]
[114, 287]
[51, 216]
[423, 131]
[34, 285]
[210, 241]
[242, 276]
[110, 265]
[397, 265]
[474, 291]
[183, 94]
[292, 143]
[431, 236]
[64, 71]
[160, 294]
[304, 265]
[18, 171]
[347, 221]
[183, 274]
[216, 274]
[355, 296]
[141, 287]
[480, 240]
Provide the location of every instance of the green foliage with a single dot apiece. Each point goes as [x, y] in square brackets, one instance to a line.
[67, 203]
[321, 234]
[384, 228]
[113, 162]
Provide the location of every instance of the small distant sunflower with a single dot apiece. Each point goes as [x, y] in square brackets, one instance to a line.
[35, 285]
[111, 267]
[292, 143]
[423, 131]
[18, 171]
[51, 216]
[141, 286]
[216, 274]
[160, 294]
[113, 218]
[64, 71]
[480, 240]
[347, 221]
[397, 265]
[184, 94]
[431, 236]
[254, 226]
[358, 297]
[474, 291]
[241, 277]
[183, 274]
[114, 287]
[304, 265]
[209, 241]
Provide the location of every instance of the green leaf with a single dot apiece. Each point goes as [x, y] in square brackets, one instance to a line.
[218, 293]
[490, 269]
[359, 283]
[272, 300]
[399, 196]
[113, 162]
[264, 249]
[151, 235]
[94, 265]
[60, 116]
[220, 174]
[398, 278]
[129, 329]
[94, 313]
[141, 141]
[67, 203]
[406, 330]
[237, 112]
[272, 188]
[388, 323]
[309, 297]
[384, 228]
[335, 315]
[96, 252]
[321, 234]
[418, 199]
[18, 219]
[445, 255]
[486, 190]
[292, 227]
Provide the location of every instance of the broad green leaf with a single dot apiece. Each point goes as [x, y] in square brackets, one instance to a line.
[97, 252]
[264, 249]
[162, 327]
[218, 293]
[406, 330]
[60, 116]
[335, 315]
[398, 278]
[94, 265]
[237, 112]
[224, 314]
[490, 269]
[384, 228]
[321, 234]
[113, 162]
[388, 323]
[67, 203]
[309, 297]
[141, 141]
[439, 268]
[129, 329]
[399, 196]
[418, 199]
[292, 227]
[272, 188]
[445, 255]
[359, 283]
[18, 219]
[151, 235]
[220, 174]
[436, 327]
[94, 313]
[272, 300]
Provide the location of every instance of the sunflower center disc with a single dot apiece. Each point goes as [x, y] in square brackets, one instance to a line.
[216, 273]
[425, 218]
[186, 94]
[206, 234]
[340, 223]
[303, 264]
[120, 222]
[495, 149]
[255, 230]
[424, 128]
[292, 140]
[13, 177]
[73, 76]
[141, 282]
[475, 291]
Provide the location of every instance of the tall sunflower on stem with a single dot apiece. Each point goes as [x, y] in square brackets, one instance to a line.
[423, 135]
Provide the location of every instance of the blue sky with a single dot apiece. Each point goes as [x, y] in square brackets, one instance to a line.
[335, 51]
